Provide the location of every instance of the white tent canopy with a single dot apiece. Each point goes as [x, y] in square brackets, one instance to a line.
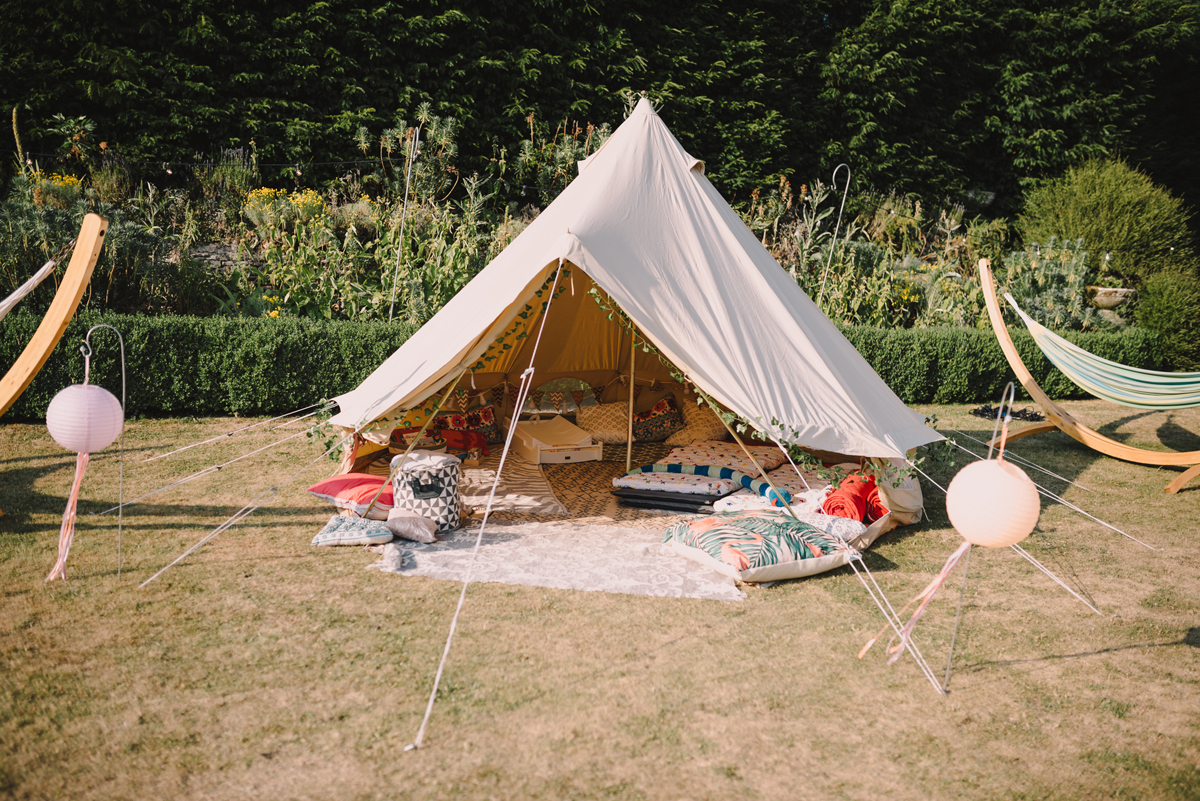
[643, 223]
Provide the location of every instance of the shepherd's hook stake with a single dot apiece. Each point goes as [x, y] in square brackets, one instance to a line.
[838, 227]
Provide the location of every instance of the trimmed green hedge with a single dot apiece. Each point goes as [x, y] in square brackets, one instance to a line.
[966, 365]
[220, 365]
[206, 365]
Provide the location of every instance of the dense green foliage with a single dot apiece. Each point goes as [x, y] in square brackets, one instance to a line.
[1170, 306]
[205, 366]
[142, 266]
[1117, 211]
[919, 96]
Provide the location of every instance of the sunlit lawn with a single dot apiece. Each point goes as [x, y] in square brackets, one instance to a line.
[260, 667]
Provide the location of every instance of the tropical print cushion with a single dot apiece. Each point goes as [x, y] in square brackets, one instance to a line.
[481, 420]
[749, 540]
[658, 422]
[606, 422]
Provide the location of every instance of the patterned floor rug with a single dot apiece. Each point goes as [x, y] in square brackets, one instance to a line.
[569, 556]
[523, 488]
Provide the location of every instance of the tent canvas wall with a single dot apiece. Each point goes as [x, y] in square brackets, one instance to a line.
[642, 224]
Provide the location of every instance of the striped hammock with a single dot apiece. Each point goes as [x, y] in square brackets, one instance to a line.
[1128, 386]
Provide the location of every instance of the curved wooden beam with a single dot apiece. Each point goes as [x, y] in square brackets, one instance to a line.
[1059, 416]
[62, 309]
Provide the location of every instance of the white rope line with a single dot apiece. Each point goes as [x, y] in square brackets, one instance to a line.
[231, 433]
[897, 626]
[788, 456]
[296, 420]
[1075, 508]
[962, 591]
[1008, 454]
[889, 616]
[245, 511]
[206, 471]
[927, 478]
[1028, 557]
[526, 382]
[1043, 491]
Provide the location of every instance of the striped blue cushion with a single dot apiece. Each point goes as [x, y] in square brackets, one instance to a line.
[756, 484]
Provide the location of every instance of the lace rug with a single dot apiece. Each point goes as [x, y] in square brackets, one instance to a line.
[562, 555]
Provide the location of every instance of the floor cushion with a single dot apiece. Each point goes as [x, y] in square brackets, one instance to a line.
[345, 530]
[353, 492]
[757, 546]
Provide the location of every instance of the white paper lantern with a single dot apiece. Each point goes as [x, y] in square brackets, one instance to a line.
[85, 418]
[993, 503]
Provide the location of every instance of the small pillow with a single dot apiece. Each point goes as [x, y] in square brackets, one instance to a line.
[354, 491]
[427, 441]
[606, 422]
[659, 422]
[345, 530]
[701, 424]
[411, 526]
[481, 420]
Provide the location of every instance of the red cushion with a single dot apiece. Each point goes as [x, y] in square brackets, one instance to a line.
[354, 491]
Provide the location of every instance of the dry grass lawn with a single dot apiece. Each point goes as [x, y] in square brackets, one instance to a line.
[263, 668]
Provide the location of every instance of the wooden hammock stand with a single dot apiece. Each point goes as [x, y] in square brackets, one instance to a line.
[1058, 417]
[62, 309]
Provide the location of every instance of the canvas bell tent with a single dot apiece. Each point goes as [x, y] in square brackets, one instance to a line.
[642, 229]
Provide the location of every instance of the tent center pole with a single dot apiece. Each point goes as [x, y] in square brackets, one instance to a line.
[629, 441]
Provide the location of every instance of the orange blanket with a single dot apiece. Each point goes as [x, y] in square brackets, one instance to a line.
[856, 498]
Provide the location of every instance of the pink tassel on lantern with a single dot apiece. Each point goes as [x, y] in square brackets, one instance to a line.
[67, 532]
[925, 596]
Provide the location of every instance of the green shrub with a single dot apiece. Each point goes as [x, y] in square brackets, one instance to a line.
[1170, 306]
[965, 365]
[1118, 212]
[1049, 281]
[255, 366]
[206, 366]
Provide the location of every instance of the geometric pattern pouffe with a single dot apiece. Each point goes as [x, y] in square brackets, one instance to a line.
[427, 485]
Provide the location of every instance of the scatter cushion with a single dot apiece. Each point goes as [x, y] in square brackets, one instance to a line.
[427, 441]
[757, 546]
[346, 530]
[411, 526]
[353, 492]
[700, 424]
[658, 422]
[606, 422]
[646, 399]
[481, 420]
